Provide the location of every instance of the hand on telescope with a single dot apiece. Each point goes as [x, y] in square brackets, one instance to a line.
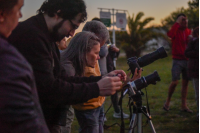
[136, 76]
[111, 82]
[109, 85]
[120, 73]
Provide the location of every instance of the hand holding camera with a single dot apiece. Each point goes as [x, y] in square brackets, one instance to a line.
[118, 73]
[180, 19]
[109, 85]
[135, 64]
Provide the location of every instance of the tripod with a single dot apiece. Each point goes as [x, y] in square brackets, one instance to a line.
[138, 110]
[136, 115]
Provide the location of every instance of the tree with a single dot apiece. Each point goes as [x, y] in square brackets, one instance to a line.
[133, 42]
[193, 4]
[192, 14]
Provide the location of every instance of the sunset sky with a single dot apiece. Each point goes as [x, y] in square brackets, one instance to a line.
[158, 9]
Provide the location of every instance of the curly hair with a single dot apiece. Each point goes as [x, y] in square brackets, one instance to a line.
[98, 28]
[7, 5]
[66, 9]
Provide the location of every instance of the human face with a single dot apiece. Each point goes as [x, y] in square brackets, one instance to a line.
[66, 28]
[184, 22]
[10, 18]
[62, 44]
[93, 56]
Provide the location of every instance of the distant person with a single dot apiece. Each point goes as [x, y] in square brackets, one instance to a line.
[103, 64]
[62, 45]
[179, 36]
[113, 53]
[20, 111]
[103, 52]
[192, 52]
[35, 38]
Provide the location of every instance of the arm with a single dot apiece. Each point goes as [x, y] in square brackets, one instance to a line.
[45, 63]
[19, 105]
[172, 32]
[109, 63]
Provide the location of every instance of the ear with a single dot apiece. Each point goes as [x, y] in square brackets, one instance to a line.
[1, 16]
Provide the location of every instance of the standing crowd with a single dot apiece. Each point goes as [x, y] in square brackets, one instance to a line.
[46, 80]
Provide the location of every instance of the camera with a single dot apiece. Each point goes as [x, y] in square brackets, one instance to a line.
[145, 60]
[133, 88]
[141, 83]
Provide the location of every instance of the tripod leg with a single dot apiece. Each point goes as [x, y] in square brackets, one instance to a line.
[139, 124]
[151, 125]
[132, 123]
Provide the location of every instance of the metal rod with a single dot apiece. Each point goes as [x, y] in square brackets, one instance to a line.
[112, 8]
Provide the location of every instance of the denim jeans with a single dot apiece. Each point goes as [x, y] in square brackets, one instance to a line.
[69, 120]
[115, 99]
[90, 121]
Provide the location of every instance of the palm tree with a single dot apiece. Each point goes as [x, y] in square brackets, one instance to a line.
[133, 42]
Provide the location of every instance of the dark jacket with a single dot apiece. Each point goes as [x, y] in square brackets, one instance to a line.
[55, 88]
[20, 110]
[110, 58]
[192, 52]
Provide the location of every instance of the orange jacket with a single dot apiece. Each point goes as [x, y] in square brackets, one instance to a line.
[95, 102]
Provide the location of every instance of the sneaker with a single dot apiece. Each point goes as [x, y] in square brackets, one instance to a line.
[118, 115]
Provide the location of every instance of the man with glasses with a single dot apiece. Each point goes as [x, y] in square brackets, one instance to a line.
[35, 38]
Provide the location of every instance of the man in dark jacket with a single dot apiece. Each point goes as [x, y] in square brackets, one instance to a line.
[192, 52]
[20, 111]
[35, 38]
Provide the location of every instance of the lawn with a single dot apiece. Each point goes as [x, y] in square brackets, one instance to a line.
[173, 121]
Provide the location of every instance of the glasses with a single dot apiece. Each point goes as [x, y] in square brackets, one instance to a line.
[74, 26]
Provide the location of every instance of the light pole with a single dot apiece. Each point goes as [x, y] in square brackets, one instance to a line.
[114, 11]
[108, 16]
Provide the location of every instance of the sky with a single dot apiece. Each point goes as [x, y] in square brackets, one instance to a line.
[159, 9]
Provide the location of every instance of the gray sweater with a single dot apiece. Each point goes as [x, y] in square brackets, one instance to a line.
[102, 61]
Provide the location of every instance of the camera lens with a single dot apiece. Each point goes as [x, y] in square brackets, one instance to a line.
[151, 57]
[145, 81]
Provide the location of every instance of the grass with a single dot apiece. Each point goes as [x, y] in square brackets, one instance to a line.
[173, 121]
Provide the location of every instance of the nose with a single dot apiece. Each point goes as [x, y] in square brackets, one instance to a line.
[20, 14]
[98, 57]
[71, 33]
